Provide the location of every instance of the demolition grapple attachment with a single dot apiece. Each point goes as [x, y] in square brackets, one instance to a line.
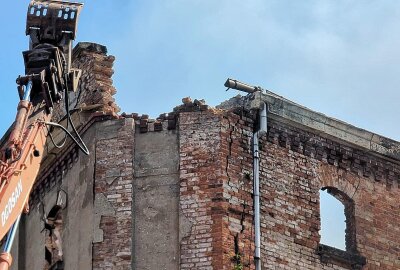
[52, 27]
[52, 20]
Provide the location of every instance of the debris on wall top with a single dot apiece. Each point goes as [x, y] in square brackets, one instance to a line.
[96, 94]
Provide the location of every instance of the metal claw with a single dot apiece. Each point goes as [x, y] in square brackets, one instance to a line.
[53, 19]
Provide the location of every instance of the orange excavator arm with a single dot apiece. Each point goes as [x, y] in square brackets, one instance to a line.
[20, 164]
[48, 78]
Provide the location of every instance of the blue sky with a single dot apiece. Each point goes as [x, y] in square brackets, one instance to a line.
[339, 57]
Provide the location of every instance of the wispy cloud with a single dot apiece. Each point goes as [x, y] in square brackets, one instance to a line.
[338, 57]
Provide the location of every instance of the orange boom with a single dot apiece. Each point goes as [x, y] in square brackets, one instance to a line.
[48, 78]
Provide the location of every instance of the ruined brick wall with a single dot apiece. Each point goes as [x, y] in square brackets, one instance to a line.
[96, 84]
[93, 212]
[237, 229]
[296, 164]
[113, 176]
[200, 172]
[216, 190]
[208, 154]
[95, 89]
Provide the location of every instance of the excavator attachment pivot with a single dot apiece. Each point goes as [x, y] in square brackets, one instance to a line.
[52, 26]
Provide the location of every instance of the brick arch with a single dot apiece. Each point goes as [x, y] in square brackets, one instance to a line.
[342, 185]
[342, 180]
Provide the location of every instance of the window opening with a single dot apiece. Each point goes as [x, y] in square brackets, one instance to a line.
[337, 220]
[333, 221]
[53, 242]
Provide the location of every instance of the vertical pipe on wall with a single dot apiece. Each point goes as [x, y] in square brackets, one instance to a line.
[263, 119]
[256, 194]
[256, 184]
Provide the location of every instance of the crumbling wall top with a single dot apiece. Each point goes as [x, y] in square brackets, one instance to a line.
[88, 47]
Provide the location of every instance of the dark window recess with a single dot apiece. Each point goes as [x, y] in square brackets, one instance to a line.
[53, 242]
[47, 255]
[351, 257]
[57, 266]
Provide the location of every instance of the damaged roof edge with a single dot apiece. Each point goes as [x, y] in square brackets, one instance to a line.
[300, 115]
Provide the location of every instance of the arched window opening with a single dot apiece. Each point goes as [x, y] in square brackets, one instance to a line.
[53, 243]
[337, 219]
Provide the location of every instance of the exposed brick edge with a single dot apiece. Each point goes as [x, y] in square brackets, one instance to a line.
[201, 190]
[216, 187]
[113, 175]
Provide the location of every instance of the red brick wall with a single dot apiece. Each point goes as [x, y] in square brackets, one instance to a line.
[238, 228]
[216, 189]
[216, 185]
[295, 165]
[113, 179]
[201, 186]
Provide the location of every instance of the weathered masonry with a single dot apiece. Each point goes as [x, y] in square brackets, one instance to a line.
[176, 192]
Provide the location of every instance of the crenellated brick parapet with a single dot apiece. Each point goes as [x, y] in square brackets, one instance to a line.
[167, 121]
[341, 155]
[146, 124]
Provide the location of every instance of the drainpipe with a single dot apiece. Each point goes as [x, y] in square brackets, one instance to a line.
[256, 184]
[235, 84]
